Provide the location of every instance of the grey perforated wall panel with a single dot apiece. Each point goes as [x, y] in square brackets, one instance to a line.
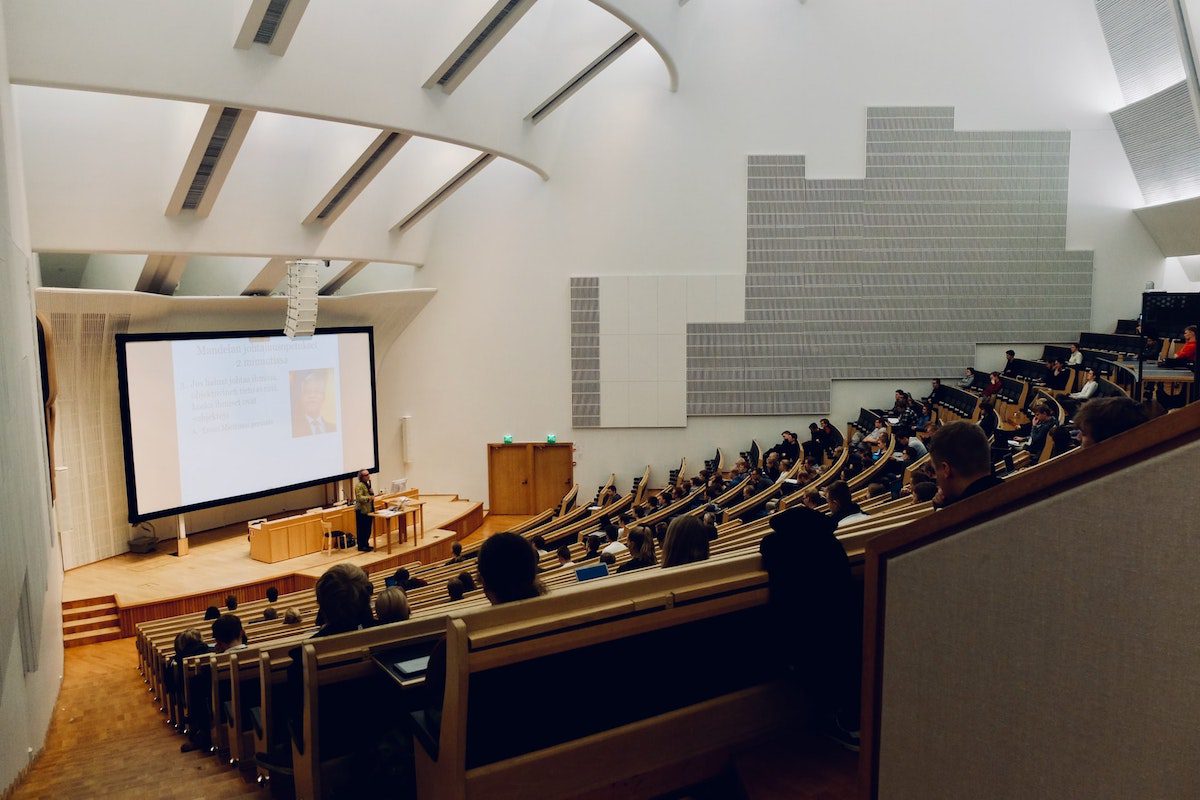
[1162, 142]
[952, 238]
[1142, 41]
[585, 352]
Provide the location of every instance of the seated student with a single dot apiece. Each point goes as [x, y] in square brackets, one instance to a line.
[905, 438]
[227, 633]
[815, 447]
[269, 613]
[539, 544]
[564, 556]
[989, 420]
[405, 581]
[641, 549]
[292, 616]
[592, 548]
[1074, 400]
[457, 554]
[877, 434]
[1009, 370]
[832, 438]
[610, 496]
[923, 491]
[1152, 349]
[994, 385]
[1076, 357]
[343, 599]
[507, 566]
[842, 508]
[1043, 423]
[391, 606]
[935, 392]
[190, 643]
[608, 558]
[614, 546]
[818, 609]
[272, 594]
[231, 603]
[967, 379]
[1186, 354]
[923, 413]
[455, 589]
[686, 542]
[1057, 377]
[211, 613]
[467, 580]
[771, 467]
[1106, 417]
[962, 461]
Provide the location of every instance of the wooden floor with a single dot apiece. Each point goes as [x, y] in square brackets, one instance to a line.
[494, 523]
[221, 558]
[107, 739]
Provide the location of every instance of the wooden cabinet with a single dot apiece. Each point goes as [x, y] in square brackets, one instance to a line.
[528, 477]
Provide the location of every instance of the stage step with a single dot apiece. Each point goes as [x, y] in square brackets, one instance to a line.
[88, 601]
[91, 637]
[91, 623]
[95, 619]
[86, 612]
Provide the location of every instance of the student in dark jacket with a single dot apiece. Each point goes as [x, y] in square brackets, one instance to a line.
[962, 461]
[818, 609]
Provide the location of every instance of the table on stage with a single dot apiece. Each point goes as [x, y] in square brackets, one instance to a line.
[304, 533]
[396, 519]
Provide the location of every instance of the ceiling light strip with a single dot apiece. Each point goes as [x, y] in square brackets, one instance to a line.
[361, 172]
[477, 44]
[447, 189]
[586, 74]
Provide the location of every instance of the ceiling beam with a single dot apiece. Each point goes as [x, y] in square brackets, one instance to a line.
[272, 23]
[583, 76]
[361, 172]
[1175, 227]
[161, 273]
[339, 280]
[267, 278]
[221, 134]
[498, 21]
[448, 188]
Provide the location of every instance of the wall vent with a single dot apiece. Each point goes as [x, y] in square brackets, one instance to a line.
[217, 143]
[447, 189]
[586, 74]
[270, 21]
[477, 44]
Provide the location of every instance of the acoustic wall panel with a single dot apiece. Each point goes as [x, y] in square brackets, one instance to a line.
[1162, 141]
[1142, 41]
[585, 352]
[952, 238]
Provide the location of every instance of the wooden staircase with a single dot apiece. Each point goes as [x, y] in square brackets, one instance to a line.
[91, 620]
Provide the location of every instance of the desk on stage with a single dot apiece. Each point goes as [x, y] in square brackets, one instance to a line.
[303, 534]
[396, 520]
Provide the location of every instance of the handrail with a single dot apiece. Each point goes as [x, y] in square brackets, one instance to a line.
[1022, 489]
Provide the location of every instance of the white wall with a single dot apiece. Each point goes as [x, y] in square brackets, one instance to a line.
[26, 537]
[644, 182]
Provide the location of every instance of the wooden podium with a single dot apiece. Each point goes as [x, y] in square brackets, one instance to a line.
[302, 534]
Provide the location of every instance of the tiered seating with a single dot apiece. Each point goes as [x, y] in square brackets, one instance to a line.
[1115, 344]
[962, 404]
[524, 647]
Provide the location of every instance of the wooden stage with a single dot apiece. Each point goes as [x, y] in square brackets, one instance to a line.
[218, 564]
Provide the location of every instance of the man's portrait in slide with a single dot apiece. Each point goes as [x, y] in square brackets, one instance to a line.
[311, 414]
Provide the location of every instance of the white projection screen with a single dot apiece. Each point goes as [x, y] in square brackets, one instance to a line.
[211, 418]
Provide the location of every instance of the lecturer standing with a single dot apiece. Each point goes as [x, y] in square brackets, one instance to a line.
[364, 504]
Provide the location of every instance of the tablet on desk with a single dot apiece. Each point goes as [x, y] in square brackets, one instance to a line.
[594, 571]
[412, 667]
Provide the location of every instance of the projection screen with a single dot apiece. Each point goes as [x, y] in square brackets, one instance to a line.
[212, 418]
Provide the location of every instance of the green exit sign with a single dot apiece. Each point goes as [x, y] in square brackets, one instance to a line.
[551, 438]
[508, 438]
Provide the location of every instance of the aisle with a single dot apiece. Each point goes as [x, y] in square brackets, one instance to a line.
[107, 739]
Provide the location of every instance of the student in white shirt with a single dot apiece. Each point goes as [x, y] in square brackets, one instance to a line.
[614, 546]
[1076, 356]
[1074, 400]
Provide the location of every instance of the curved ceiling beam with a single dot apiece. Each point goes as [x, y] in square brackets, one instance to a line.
[616, 8]
[52, 43]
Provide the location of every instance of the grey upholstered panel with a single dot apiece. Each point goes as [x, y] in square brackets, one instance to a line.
[952, 238]
[1143, 44]
[585, 352]
[1162, 142]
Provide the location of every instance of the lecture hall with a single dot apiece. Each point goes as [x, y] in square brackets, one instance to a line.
[638, 399]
